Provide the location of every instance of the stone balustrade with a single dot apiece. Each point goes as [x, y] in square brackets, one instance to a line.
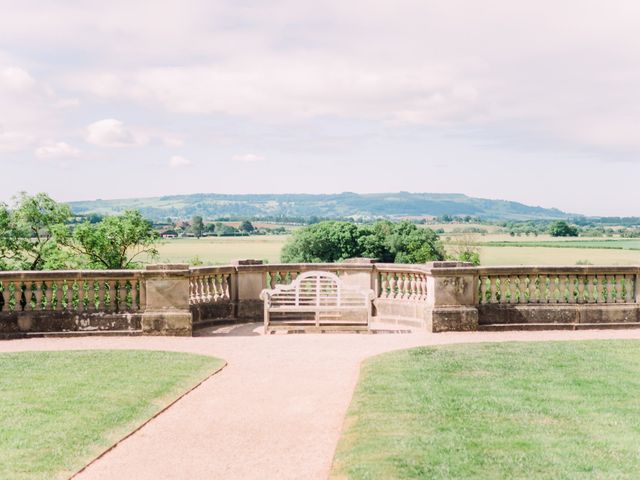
[557, 285]
[173, 299]
[89, 300]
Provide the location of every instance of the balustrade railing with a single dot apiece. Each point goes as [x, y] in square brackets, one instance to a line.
[402, 282]
[593, 285]
[71, 291]
[210, 284]
[438, 296]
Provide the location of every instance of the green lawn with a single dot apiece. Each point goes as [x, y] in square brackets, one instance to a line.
[60, 409]
[558, 410]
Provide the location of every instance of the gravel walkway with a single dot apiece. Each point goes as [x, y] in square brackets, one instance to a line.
[276, 410]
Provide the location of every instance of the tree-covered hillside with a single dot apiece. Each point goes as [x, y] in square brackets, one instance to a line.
[375, 205]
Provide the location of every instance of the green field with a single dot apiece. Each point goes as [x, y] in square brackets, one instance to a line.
[618, 244]
[513, 410]
[496, 249]
[61, 409]
[222, 250]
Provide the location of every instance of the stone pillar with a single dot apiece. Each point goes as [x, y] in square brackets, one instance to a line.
[250, 281]
[359, 277]
[452, 297]
[167, 310]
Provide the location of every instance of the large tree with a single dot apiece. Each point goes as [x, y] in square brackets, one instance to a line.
[116, 242]
[401, 242]
[27, 233]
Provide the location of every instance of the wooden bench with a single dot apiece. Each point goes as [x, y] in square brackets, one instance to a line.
[316, 301]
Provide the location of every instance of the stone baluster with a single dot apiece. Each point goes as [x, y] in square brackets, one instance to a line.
[384, 285]
[593, 288]
[113, 300]
[101, 295]
[392, 286]
[413, 286]
[201, 296]
[619, 293]
[513, 288]
[70, 285]
[533, 293]
[48, 294]
[581, 288]
[226, 282]
[523, 289]
[562, 289]
[209, 282]
[572, 289]
[134, 295]
[610, 294]
[192, 289]
[218, 283]
[59, 295]
[400, 286]
[629, 288]
[493, 289]
[503, 288]
[484, 283]
[542, 288]
[17, 295]
[81, 296]
[38, 295]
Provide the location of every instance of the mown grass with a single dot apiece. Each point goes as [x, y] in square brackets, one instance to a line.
[60, 409]
[558, 410]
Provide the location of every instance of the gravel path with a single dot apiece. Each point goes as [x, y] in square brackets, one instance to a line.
[276, 410]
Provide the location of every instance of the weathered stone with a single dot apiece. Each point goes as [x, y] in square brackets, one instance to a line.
[167, 310]
[454, 319]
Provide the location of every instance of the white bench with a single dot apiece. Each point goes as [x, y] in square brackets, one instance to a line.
[316, 301]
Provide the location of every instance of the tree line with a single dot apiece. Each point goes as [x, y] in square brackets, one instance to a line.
[37, 233]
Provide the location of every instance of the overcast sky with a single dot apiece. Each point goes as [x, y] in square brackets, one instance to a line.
[534, 101]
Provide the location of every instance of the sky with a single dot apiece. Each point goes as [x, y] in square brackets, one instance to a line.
[532, 101]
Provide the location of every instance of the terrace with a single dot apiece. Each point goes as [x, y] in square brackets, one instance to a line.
[175, 299]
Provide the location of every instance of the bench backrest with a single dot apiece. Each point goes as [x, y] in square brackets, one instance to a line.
[316, 288]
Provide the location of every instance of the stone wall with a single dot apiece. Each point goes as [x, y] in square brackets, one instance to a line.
[173, 299]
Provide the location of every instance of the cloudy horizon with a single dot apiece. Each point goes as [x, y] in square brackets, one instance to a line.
[534, 102]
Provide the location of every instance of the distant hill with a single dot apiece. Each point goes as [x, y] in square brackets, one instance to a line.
[372, 205]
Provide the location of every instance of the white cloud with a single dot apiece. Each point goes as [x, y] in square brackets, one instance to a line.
[112, 133]
[57, 150]
[248, 158]
[176, 161]
[11, 141]
[15, 79]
